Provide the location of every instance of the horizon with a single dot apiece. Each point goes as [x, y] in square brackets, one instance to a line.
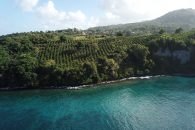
[50, 15]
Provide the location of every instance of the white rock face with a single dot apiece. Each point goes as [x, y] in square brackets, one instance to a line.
[182, 55]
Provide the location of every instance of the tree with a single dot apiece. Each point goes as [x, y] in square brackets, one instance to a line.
[63, 38]
[4, 59]
[72, 77]
[14, 47]
[107, 68]
[112, 68]
[49, 74]
[80, 45]
[95, 46]
[90, 73]
[138, 58]
[21, 71]
[138, 54]
[119, 34]
[118, 56]
[161, 31]
[49, 63]
[179, 30]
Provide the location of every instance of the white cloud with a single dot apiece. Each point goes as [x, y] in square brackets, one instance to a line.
[76, 16]
[27, 5]
[53, 18]
[110, 15]
[112, 12]
[93, 21]
[120, 10]
[123, 11]
[49, 12]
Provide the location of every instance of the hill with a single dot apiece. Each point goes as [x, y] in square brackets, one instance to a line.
[184, 18]
[38, 59]
[179, 17]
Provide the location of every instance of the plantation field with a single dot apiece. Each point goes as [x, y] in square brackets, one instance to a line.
[74, 52]
[45, 59]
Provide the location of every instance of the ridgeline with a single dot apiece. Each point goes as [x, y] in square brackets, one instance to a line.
[184, 18]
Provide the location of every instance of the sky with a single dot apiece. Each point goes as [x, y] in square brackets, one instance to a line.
[43, 15]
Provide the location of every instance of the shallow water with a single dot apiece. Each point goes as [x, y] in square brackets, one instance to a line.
[157, 103]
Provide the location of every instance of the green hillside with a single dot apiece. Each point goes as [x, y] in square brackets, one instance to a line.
[184, 18]
[39, 59]
[72, 52]
[180, 17]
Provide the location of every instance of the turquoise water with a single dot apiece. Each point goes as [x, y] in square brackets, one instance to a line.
[158, 103]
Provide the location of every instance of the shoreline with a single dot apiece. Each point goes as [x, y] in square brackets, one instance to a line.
[93, 85]
[82, 86]
[114, 81]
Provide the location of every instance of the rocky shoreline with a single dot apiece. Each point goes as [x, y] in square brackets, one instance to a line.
[115, 81]
[94, 85]
[83, 86]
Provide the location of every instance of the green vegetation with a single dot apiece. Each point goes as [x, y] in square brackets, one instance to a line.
[169, 22]
[70, 58]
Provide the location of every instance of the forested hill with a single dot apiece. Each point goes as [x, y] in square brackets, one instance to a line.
[184, 18]
[38, 59]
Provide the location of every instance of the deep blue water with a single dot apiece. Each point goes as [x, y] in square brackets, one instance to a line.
[159, 103]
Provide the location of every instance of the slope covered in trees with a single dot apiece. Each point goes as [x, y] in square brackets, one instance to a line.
[184, 18]
[37, 59]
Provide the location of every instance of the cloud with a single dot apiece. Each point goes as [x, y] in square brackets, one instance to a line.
[76, 16]
[124, 11]
[27, 5]
[110, 12]
[92, 22]
[111, 16]
[49, 12]
[121, 10]
[52, 17]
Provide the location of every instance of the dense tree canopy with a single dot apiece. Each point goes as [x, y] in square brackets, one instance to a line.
[21, 71]
[39, 59]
